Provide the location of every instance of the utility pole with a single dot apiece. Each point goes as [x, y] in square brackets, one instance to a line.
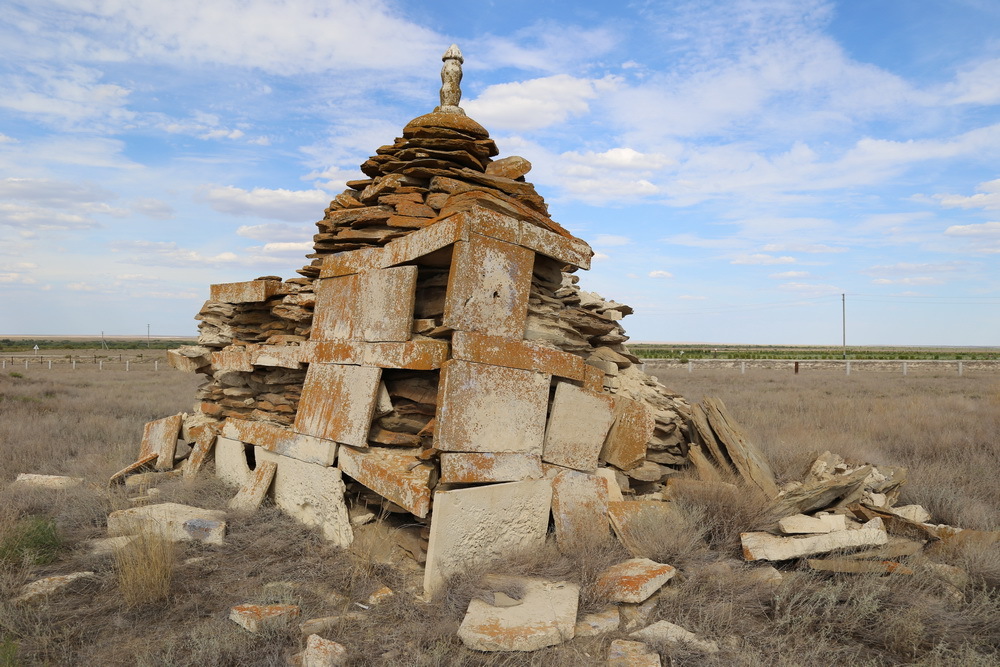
[843, 321]
[147, 336]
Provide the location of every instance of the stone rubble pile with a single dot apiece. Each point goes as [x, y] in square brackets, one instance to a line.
[438, 360]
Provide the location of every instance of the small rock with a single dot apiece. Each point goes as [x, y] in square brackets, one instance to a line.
[259, 618]
[323, 653]
[625, 653]
[30, 480]
[634, 580]
[43, 588]
[598, 623]
[667, 633]
[510, 167]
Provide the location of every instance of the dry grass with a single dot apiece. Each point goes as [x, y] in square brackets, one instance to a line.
[145, 569]
[88, 423]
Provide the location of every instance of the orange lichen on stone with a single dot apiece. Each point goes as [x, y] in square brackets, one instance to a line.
[634, 580]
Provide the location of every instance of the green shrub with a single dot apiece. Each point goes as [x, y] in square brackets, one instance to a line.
[33, 539]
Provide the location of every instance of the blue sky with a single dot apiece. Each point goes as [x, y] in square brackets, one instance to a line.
[737, 166]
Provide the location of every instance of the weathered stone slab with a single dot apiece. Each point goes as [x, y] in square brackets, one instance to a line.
[160, 437]
[634, 580]
[352, 261]
[818, 495]
[498, 351]
[625, 653]
[337, 402]
[31, 480]
[281, 440]
[246, 292]
[373, 306]
[189, 358]
[258, 618]
[488, 286]
[252, 494]
[750, 462]
[598, 623]
[764, 546]
[484, 408]
[276, 356]
[544, 616]
[800, 524]
[231, 464]
[665, 632]
[172, 521]
[580, 510]
[593, 379]
[321, 652]
[567, 249]
[140, 463]
[44, 588]
[579, 421]
[614, 490]
[312, 494]
[413, 355]
[204, 441]
[625, 446]
[233, 358]
[336, 299]
[483, 467]
[480, 525]
[401, 478]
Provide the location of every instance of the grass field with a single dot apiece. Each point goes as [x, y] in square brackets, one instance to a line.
[88, 423]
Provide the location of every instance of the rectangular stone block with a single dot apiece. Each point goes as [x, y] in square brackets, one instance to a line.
[337, 402]
[481, 220]
[160, 437]
[281, 440]
[422, 355]
[625, 447]
[173, 522]
[311, 494]
[580, 510]
[593, 379]
[485, 349]
[488, 286]
[334, 309]
[484, 408]
[373, 306]
[423, 242]
[483, 467]
[764, 546]
[579, 421]
[352, 261]
[252, 291]
[252, 494]
[401, 478]
[232, 359]
[276, 356]
[483, 524]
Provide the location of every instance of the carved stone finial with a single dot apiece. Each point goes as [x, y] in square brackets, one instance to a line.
[451, 77]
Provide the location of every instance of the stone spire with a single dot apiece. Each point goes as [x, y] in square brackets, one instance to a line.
[451, 78]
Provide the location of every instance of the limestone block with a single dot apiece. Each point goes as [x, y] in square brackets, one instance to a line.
[44, 588]
[598, 623]
[480, 525]
[246, 292]
[544, 616]
[421, 355]
[488, 287]
[764, 546]
[172, 521]
[312, 494]
[281, 440]
[337, 402]
[232, 359]
[252, 494]
[160, 437]
[258, 618]
[593, 379]
[912, 512]
[625, 446]
[484, 408]
[399, 477]
[580, 510]
[578, 424]
[634, 580]
[800, 524]
[231, 462]
[483, 467]
[625, 653]
[834, 521]
[321, 652]
[614, 490]
[499, 351]
[31, 480]
[276, 356]
[374, 306]
[189, 364]
[665, 632]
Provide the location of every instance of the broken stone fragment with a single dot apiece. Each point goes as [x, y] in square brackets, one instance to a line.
[511, 167]
[598, 623]
[258, 618]
[251, 495]
[800, 524]
[171, 521]
[30, 480]
[633, 580]
[321, 652]
[625, 653]
[44, 588]
[580, 510]
[546, 616]
[764, 546]
[665, 632]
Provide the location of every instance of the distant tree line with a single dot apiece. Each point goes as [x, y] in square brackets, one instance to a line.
[28, 344]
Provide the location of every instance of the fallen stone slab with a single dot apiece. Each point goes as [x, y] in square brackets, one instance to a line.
[545, 616]
[172, 521]
[822, 494]
[764, 546]
[634, 580]
[27, 480]
[394, 475]
[41, 589]
[251, 495]
[800, 524]
[665, 632]
[856, 566]
[579, 421]
[598, 623]
[912, 512]
[321, 652]
[625, 653]
[580, 510]
[160, 437]
[105, 546]
[258, 618]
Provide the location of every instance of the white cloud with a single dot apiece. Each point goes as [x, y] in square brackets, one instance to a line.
[168, 253]
[913, 280]
[660, 274]
[784, 275]
[979, 84]
[904, 268]
[280, 204]
[33, 218]
[298, 248]
[692, 297]
[547, 46]
[536, 103]
[275, 232]
[987, 197]
[987, 229]
[802, 247]
[4, 139]
[154, 208]
[71, 97]
[619, 158]
[809, 288]
[607, 240]
[762, 259]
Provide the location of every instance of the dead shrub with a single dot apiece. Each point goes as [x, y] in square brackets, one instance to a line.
[145, 568]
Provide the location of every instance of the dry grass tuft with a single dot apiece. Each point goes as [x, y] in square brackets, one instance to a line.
[145, 569]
